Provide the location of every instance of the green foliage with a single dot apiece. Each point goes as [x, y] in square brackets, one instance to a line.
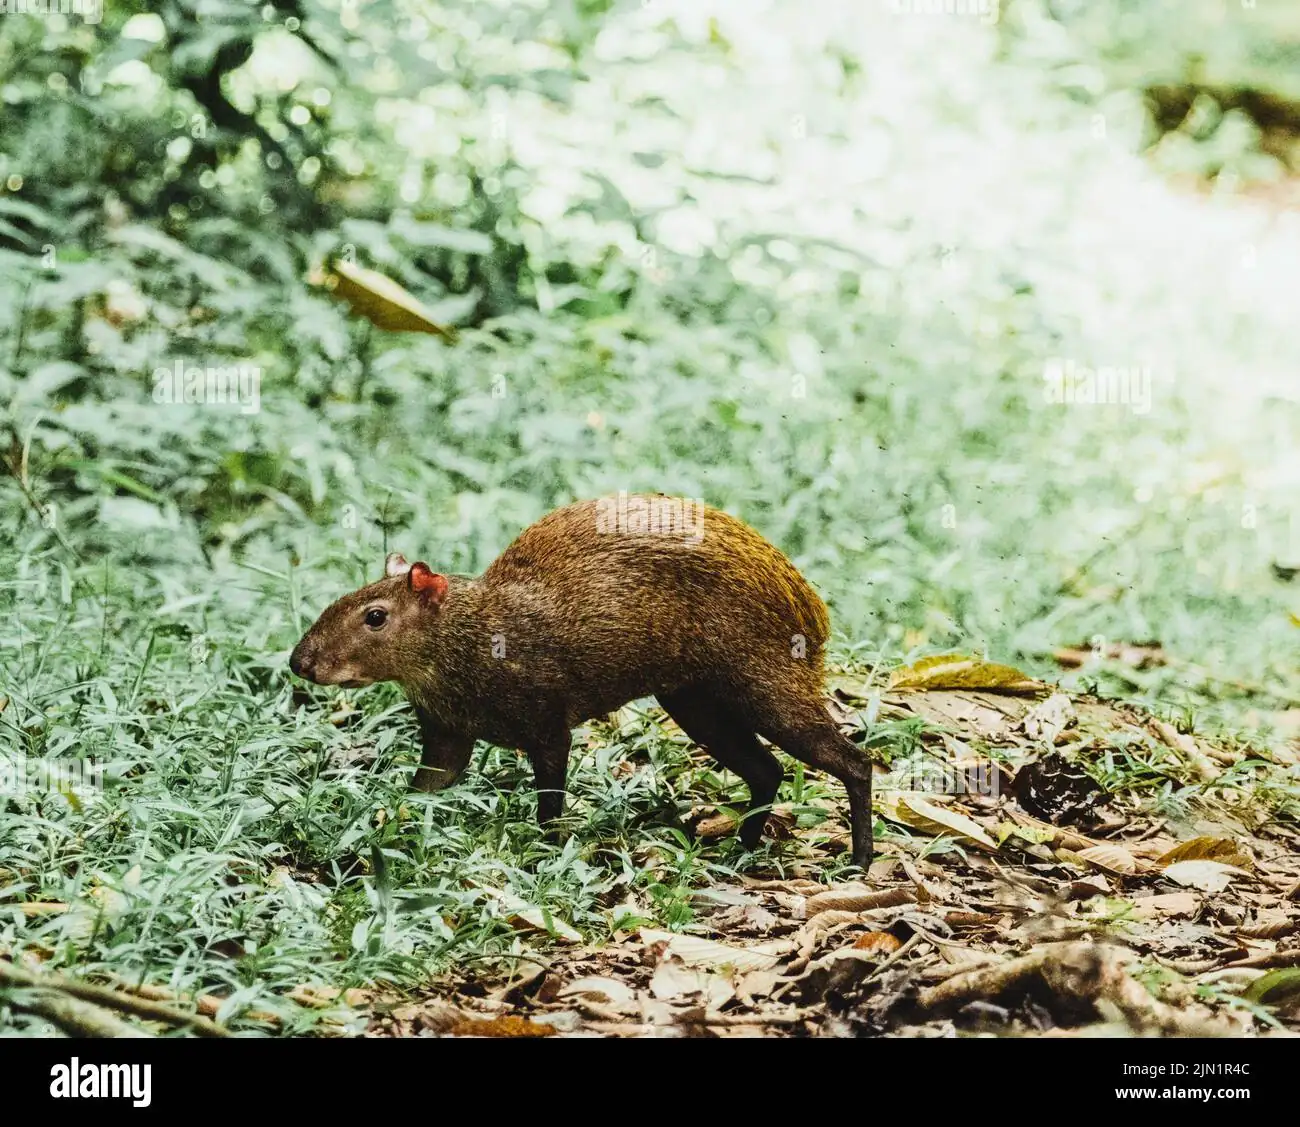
[819, 332]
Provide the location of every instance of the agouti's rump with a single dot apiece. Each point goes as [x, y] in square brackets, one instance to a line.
[597, 604]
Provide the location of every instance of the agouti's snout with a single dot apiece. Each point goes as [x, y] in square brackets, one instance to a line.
[598, 604]
[302, 661]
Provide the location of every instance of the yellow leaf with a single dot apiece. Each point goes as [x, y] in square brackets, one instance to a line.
[911, 809]
[380, 300]
[956, 671]
[1221, 849]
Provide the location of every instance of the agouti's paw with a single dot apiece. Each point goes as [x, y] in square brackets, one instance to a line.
[426, 780]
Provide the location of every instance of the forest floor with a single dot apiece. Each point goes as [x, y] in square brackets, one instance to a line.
[1036, 902]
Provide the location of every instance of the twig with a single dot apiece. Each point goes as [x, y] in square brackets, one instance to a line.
[32, 908]
[207, 1005]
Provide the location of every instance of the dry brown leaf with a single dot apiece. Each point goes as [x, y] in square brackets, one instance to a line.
[757, 984]
[1269, 923]
[1060, 836]
[1112, 858]
[1048, 718]
[674, 979]
[1085, 888]
[824, 921]
[1166, 904]
[506, 1026]
[715, 826]
[699, 952]
[957, 671]
[525, 916]
[608, 991]
[878, 943]
[848, 898]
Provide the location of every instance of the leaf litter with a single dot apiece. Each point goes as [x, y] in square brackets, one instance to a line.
[1010, 913]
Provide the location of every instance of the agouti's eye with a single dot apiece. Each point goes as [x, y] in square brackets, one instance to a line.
[376, 617]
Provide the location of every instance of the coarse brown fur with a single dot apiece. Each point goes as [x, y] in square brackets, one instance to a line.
[582, 614]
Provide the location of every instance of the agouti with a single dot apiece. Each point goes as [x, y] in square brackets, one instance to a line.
[597, 604]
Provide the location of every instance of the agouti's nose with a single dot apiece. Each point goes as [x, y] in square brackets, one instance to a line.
[302, 661]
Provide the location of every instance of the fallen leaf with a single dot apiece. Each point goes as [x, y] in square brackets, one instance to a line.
[757, 984]
[699, 952]
[1112, 858]
[956, 671]
[609, 991]
[1268, 923]
[1048, 718]
[1221, 849]
[851, 898]
[1208, 876]
[1277, 983]
[524, 915]
[715, 826]
[674, 979]
[506, 1026]
[1085, 888]
[911, 809]
[878, 943]
[1166, 904]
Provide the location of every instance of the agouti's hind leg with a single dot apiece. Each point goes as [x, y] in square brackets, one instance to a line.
[813, 738]
[707, 720]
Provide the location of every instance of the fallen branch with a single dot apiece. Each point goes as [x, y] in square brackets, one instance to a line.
[108, 998]
[35, 995]
[1179, 741]
[1083, 971]
[76, 1018]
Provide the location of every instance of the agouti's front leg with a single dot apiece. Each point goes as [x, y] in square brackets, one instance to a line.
[445, 755]
[549, 755]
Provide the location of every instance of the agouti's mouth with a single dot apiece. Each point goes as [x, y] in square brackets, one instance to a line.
[353, 684]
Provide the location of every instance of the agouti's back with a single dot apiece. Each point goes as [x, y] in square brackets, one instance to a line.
[704, 594]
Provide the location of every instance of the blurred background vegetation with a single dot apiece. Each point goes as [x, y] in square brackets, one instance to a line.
[808, 263]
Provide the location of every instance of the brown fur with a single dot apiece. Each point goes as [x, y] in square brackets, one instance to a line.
[574, 620]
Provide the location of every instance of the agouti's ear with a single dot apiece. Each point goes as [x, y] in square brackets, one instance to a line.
[396, 565]
[429, 585]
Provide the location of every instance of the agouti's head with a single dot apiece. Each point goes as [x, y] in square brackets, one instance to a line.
[373, 634]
